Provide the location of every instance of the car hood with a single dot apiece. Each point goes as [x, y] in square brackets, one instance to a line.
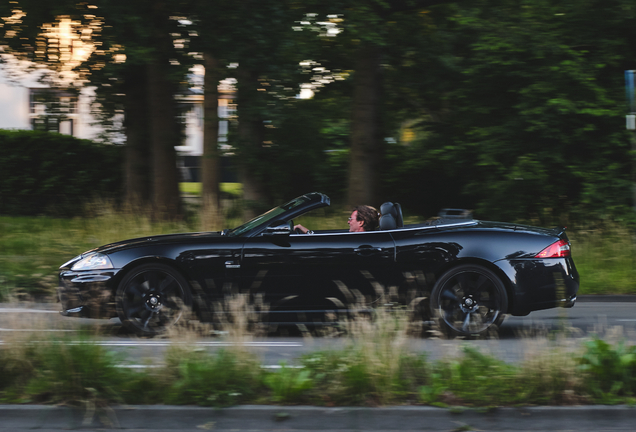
[158, 240]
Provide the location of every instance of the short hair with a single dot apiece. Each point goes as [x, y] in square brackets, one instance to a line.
[369, 216]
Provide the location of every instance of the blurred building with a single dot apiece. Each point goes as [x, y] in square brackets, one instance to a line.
[26, 103]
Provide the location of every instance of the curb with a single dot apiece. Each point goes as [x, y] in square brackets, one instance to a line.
[622, 298]
[300, 418]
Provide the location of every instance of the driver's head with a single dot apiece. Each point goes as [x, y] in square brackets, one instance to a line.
[363, 218]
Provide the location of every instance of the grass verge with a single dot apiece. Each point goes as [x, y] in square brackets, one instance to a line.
[374, 368]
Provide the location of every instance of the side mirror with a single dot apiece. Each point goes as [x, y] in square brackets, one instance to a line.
[280, 229]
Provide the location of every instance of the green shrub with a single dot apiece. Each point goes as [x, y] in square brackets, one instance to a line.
[478, 379]
[222, 379]
[288, 384]
[610, 372]
[65, 370]
[50, 173]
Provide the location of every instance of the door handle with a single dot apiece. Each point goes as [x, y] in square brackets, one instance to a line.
[232, 265]
[367, 250]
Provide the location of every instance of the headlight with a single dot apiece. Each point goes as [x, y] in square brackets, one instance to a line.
[95, 261]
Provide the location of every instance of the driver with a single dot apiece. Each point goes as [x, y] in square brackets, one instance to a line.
[363, 218]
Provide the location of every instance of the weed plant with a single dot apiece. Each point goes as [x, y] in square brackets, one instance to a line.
[289, 384]
[477, 379]
[230, 376]
[69, 370]
[550, 376]
[221, 379]
[609, 371]
[374, 367]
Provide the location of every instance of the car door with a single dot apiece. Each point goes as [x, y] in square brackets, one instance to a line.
[214, 273]
[327, 269]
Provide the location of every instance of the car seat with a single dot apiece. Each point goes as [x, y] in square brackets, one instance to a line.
[391, 216]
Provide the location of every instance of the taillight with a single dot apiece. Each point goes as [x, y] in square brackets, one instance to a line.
[557, 249]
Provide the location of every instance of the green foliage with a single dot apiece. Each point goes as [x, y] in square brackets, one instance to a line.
[357, 375]
[479, 379]
[532, 128]
[69, 371]
[49, 173]
[610, 372]
[307, 151]
[74, 370]
[222, 379]
[432, 394]
[550, 377]
[288, 384]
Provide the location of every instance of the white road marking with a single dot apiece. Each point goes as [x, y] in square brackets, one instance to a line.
[33, 330]
[21, 310]
[136, 366]
[196, 344]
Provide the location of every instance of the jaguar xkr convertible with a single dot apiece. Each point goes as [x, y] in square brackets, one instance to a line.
[463, 274]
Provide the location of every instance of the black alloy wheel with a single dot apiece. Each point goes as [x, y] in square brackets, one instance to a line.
[152, 298]
[469, 300]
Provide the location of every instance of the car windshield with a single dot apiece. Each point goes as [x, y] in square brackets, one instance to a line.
[267, 216]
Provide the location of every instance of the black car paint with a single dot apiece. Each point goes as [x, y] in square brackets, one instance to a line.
[334, 264]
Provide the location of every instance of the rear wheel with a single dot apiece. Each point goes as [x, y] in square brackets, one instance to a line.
[152, 298]
[469, 300]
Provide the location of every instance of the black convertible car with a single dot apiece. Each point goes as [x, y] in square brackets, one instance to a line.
[466, 274]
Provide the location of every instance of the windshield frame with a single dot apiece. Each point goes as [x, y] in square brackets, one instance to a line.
[288, 210]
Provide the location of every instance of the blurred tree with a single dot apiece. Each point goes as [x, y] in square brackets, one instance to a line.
[537, 109]
[258, 40]
[367, 30]
[511, 107]
[142, 87]
[519, 114]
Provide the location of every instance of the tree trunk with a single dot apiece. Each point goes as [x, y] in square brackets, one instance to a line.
[137, 155]
[163, 135]
[250, 136]
[211, 216]
[366, 141]
[164, 131]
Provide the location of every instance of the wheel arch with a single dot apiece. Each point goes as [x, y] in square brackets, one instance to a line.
[149, 260]
[503, 277]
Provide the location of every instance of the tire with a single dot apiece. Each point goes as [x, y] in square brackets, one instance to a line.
[151, 298]
[469, 300]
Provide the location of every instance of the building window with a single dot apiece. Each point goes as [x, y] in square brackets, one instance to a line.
[53, 110]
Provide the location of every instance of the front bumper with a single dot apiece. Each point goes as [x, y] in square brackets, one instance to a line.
[89, 294]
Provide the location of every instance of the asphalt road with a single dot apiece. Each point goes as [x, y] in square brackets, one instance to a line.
[607, 317]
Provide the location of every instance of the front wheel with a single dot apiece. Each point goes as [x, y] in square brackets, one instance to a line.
[152, 298]
[469, 300]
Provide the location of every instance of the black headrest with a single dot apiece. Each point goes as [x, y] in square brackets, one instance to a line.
[391, 216]
[388, 218]
[399, 220]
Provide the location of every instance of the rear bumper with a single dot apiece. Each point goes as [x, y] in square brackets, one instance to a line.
[540, 283]
[569, 303]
